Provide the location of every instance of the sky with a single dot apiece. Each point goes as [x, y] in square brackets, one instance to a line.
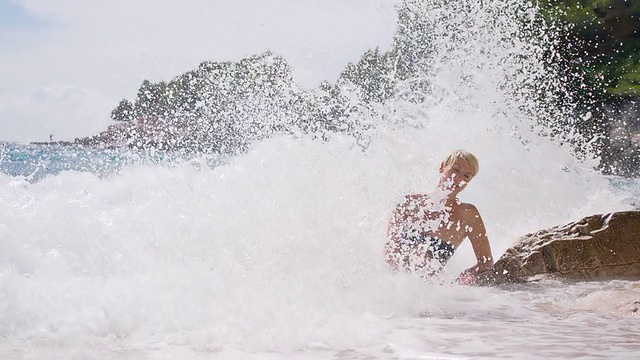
[65, 64]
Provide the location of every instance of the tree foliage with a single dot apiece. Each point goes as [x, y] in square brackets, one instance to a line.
[602, 42]
[222, 107]
[600, 46]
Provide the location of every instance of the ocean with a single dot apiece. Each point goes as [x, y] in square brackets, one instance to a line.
[277, 252]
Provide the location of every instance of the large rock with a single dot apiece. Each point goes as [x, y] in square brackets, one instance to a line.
[598, 247]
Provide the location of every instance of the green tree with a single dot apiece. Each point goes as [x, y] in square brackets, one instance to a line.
[124, 111]
[373, 74]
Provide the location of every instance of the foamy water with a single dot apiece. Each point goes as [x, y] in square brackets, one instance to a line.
[278, 253]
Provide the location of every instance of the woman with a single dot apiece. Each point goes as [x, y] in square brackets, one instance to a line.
[426, 229]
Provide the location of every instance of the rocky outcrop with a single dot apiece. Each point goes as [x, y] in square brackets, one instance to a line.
[140, 134]
[598, 247]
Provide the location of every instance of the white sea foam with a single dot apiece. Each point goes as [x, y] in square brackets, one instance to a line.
[280, 250]
[277, 253]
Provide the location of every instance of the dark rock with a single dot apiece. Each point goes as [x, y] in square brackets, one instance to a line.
[598, 247]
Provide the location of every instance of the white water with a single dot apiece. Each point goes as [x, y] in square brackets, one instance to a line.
[278, 253]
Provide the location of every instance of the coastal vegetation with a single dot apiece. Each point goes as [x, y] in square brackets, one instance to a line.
[598, 46]
[222, 107]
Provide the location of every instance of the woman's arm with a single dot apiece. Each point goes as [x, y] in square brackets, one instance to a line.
[477, 234]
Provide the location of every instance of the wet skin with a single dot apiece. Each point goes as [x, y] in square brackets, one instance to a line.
[445, 216]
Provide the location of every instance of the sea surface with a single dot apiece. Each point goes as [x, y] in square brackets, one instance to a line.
[277, 252]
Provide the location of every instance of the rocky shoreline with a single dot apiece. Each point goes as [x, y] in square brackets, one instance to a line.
[620, 155]
[601, 247]
[597, 247]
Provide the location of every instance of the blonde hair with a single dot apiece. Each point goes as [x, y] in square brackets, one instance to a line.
[468, 157]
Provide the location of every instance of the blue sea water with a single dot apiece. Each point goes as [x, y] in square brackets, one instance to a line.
[629, 187]
[33, 162]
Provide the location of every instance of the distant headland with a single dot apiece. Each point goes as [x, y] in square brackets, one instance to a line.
[222, 107]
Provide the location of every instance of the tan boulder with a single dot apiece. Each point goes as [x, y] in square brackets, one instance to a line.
[598, 247]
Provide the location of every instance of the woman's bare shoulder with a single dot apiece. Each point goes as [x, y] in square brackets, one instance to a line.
[468, 209]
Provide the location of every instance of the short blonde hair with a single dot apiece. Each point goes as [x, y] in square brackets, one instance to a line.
[468, 157]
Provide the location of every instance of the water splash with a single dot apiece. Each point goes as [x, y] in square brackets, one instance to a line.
[279, 250]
